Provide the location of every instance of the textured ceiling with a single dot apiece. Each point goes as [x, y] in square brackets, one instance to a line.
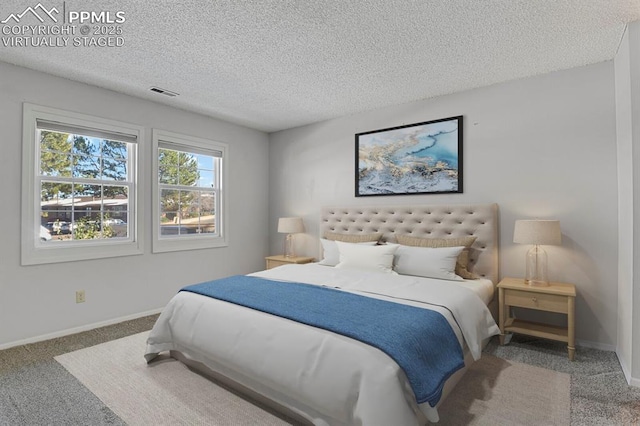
[276, 64]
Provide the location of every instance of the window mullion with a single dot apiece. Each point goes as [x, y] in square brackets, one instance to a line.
[185, 188]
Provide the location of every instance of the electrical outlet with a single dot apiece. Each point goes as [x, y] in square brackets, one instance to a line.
[80, 296]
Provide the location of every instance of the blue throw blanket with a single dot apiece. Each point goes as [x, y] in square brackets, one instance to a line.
[419, 340]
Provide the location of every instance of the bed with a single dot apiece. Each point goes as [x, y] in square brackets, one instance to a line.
[317, 376]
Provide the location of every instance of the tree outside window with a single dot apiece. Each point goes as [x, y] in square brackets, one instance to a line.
[83, 186]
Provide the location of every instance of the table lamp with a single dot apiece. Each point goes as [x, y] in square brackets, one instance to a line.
[290, 226]
[537, 232]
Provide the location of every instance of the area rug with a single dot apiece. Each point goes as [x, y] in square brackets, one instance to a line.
[164, 393]
[494, 391]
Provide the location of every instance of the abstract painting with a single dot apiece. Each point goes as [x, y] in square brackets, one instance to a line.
[421, 158]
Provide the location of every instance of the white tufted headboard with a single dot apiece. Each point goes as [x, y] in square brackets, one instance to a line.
[445, 221]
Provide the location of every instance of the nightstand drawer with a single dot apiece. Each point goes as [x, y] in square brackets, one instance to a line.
[541, 301]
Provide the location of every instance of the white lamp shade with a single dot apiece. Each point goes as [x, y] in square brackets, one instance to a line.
[545, 232]
[290, 225]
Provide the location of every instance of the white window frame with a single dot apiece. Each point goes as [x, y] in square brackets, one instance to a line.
[35, 252]
[200, 241]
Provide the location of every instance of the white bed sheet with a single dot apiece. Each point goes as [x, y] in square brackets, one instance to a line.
[326, 378]
[483, 287]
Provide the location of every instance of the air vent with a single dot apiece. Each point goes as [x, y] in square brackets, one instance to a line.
[164, 92]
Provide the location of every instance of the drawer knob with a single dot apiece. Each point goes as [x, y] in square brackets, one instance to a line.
[534, 299]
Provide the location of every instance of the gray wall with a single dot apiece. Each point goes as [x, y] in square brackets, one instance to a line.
[542, 147]
[40, 300]
[627, 64]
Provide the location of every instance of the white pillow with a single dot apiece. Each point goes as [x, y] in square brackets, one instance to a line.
[331, 256]
[428, 262]
[367, 258]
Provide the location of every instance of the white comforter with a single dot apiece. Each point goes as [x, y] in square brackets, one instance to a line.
[325, 377]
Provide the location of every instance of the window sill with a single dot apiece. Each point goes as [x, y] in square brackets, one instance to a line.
[180, 244]
[56, 254]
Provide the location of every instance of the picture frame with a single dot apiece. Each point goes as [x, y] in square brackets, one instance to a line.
[419, 158]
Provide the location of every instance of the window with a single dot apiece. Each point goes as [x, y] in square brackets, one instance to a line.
[189, 184]
[79, 187]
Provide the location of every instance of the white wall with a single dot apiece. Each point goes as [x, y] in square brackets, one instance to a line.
[540, 147]
[40, 300]
[627, 64]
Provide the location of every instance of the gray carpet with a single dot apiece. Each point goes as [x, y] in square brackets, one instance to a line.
[46, 394]
[36, 390]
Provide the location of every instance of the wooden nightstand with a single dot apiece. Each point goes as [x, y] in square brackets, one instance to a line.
[273, 261]
[557, 297]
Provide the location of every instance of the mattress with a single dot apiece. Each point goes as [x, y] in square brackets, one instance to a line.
[483, 287]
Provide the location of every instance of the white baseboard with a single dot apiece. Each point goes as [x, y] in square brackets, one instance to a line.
[80, 329]
[632, 381]
[596, 345]
[623, 365]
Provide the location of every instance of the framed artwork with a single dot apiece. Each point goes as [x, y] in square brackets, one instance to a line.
[421, 158]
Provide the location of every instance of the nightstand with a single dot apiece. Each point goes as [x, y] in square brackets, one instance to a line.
[273, 261]
[557, 297]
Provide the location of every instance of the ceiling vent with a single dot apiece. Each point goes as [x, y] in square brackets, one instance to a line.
[164, 92]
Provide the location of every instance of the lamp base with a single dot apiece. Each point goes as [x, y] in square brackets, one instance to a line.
[536, 271]
[288, 246]
[536, 283]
